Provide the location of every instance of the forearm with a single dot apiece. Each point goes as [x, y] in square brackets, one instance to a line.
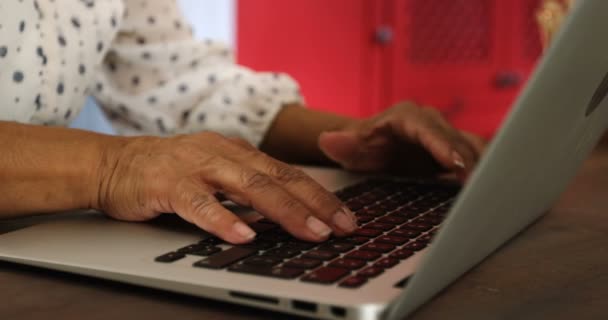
[293, 136]
[45, 169]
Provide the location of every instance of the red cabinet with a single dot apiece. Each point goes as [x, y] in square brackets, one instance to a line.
[468, 58]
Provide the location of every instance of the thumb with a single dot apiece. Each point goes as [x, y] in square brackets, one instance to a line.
[339, 146]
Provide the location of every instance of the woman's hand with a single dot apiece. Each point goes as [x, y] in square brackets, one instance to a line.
[147, 176]
[404, 137]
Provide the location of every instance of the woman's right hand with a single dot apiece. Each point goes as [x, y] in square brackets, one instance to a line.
[145, 176]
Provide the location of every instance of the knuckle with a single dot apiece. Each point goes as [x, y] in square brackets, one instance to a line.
[255, 180]
[202, 205]
[201, 202]
[286, 174]
[241, 142]
[405, 106]
[290, 205]
[212, 161]
[432, 112]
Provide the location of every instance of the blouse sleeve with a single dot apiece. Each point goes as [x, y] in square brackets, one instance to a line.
[157, 79]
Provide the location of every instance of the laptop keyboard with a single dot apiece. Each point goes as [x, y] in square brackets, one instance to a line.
[395, 218]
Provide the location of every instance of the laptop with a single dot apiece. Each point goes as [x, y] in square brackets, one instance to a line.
[415, 236]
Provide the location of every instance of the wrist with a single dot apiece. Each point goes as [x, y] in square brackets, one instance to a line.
[281, 137]
[108, 151]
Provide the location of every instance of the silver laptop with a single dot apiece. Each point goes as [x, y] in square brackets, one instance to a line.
[415, 236]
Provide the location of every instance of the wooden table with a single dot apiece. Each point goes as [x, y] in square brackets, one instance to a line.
[556, 269]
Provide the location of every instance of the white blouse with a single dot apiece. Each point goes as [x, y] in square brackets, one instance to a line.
[138, 58]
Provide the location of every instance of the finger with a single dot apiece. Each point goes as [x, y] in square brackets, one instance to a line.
[479, 144]
[266, 197]
[322, 203]
[351, 152]
[433, 138]
[195, 202]
[458, 140]
[460, 144]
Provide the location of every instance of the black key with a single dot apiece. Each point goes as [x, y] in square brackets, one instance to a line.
[392, 219]
[225, 258]
[388, 206]
[373, 211]
[378, 247]
[417, 226]
[386, 263]
[392, 240]
[353, 282]
[436, 215]
[260, 244]
[425, 238]
[262, 227]
[405, 233]
[344, 196]
[326, 275]
[336, 247]
[442, 209]
[302, 263]
[320, 255]
[406, 213]
[262, 261]
[352, 264]
[379, 226]
[364, 219]
[275, 272]
[299, 245]
[283, 252]
[425, 204]
[267, 221]
[212, 241]
[436, 198]
[417, 209]
[415, 246]
[275, 235]
[429, 220]
[401, 254]
[169, 257]
[354, 204]
[364, 232]
[206, 251]
[191, 248]
[364, 255]
[370, 272]
[355, 240]
[404, 198]
[369, 198]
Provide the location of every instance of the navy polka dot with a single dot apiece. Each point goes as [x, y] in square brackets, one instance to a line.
[18, 76]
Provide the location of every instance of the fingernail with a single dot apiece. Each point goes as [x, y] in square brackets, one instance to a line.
[345, 220]
[318, 227]
[243, 230]
[458, 161]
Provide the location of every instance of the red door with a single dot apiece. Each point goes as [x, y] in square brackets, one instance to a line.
[324, 44]
[469, 58]
[457, 56]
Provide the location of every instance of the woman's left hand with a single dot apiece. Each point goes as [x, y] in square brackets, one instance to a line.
[405, 138]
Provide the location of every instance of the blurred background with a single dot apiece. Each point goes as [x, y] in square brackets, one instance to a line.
[468, 58]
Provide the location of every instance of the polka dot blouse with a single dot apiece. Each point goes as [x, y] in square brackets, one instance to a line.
[138, 58]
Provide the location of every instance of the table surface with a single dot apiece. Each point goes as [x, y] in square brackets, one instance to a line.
[557, 268]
